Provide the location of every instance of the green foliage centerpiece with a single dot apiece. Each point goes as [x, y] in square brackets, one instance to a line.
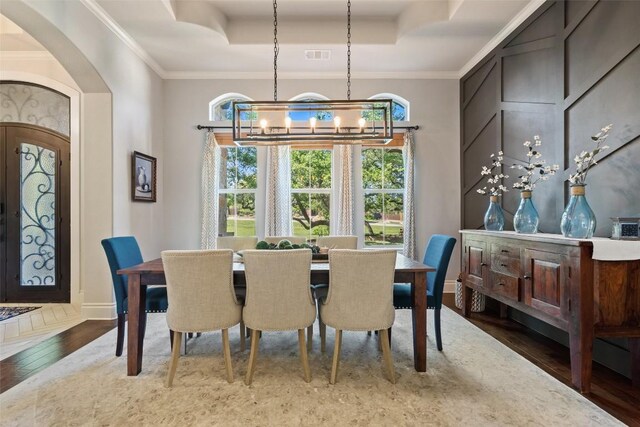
[286, 245]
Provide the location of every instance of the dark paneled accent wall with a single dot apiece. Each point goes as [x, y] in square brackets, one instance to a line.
[570, 69]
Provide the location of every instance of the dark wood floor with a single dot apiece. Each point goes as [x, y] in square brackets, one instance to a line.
[610, 390]
[22, 365]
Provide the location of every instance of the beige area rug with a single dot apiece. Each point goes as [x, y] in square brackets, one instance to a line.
[474, 381]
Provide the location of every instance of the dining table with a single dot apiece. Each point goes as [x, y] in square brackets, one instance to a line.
[151, 273]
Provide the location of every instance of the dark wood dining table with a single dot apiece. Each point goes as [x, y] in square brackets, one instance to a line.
[152, 273]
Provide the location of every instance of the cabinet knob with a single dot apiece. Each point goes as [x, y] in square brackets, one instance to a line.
[527, 277]
[504, 251]
[483, 264]
[500, 284]
[503, 265]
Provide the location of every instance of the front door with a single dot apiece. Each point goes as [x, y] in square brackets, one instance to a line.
[34, 214]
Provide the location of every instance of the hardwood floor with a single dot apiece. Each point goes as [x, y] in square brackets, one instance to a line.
[22, 365]
[610, 390]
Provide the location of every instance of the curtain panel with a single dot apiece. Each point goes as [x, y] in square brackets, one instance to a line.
[344, 223]
[409, 221]
[210, 192]
[278, 197]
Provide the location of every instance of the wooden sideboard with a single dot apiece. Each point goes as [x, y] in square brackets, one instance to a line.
[555, 279]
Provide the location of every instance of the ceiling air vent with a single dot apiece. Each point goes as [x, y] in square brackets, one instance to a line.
[317, 55]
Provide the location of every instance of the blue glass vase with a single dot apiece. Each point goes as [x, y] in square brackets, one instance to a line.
[526, 218]
[578, 220]
[494, 218]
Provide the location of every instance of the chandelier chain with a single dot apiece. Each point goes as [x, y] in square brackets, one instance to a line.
[348, 49]
[276, 50]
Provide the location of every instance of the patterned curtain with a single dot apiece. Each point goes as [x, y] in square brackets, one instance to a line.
[210, 196]
[343, 156]
[409, 225]
[278, 197]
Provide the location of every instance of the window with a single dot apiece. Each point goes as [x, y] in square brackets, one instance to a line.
[304, 116]
[310, 192]
[399, 108]
[221, 108]
[383, 184]
[238, 184]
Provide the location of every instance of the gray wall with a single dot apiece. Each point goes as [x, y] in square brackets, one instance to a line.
[434, 106]
[567, 71]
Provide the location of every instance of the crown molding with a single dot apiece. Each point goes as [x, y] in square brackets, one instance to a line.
[26, 54]
[260, 75]
[111, 24]
[527, 11]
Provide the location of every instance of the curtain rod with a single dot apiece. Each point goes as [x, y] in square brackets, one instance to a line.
[201, 127]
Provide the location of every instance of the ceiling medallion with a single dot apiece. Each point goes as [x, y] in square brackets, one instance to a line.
[312, 121]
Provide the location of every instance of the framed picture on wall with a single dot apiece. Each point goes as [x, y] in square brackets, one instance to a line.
[143, 177]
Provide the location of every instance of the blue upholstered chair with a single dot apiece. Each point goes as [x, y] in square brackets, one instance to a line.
[437, 255]
[123, 252]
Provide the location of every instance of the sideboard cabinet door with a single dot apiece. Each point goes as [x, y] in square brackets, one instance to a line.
[476, 257]
[546, 285]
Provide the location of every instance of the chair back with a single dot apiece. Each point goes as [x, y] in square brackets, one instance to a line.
[122, 252]
[200, 290]
[338, 242]
[360, 290]
[437, 255]
[293, 239]
[278, 290]
[236, 243]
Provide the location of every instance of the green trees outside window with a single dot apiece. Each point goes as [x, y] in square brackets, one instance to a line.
[310, 192]
[383, 184]
[238, 184]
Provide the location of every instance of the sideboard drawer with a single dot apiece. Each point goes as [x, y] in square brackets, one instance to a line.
[505, 285]
[505, 250]
[505, 265]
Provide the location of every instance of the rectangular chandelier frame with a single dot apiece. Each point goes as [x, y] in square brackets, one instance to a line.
[255, 129]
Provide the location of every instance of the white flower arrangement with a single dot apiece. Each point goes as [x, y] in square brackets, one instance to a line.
[496, 189]
[587, 159]
[535, 168]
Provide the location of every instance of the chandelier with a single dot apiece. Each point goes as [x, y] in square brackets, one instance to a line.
[341, 122]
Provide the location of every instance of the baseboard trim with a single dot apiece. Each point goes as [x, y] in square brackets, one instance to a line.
[99, 311]
[449, 286]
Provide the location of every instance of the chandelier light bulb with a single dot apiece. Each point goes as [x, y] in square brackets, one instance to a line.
[263, 124]
[312, 122]
[287, 123]
[362, 122]
[336, 122]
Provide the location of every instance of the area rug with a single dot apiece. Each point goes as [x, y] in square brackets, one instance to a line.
[475, 381]
[9, 312]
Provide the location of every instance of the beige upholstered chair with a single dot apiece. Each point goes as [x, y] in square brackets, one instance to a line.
[320, 291]
[360, 298]
[201, 298]
[293, 239]
[278, 298]
[236, 243]
[338, 242]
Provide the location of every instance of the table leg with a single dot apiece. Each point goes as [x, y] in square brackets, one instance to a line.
[137, 301]
[634, 348]
[419, 320]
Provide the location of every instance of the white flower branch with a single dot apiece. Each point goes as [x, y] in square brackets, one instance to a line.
[535, 168]
[587, 159]
[493, 178]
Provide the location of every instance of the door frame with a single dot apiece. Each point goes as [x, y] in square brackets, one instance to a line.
[61, 292]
